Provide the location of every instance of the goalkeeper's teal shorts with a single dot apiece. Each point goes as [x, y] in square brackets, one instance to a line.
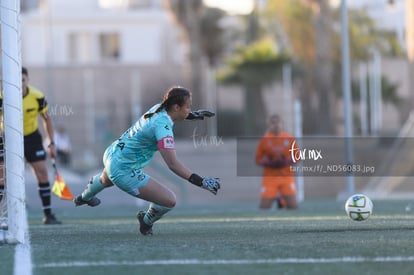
[126, 178]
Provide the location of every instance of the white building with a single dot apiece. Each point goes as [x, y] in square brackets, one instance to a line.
[80, 32]
[100, 63]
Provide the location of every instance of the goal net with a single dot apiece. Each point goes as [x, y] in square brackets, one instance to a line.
[13, 220]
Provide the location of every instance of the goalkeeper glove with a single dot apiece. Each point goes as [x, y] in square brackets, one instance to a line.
[200, 114]
[279, 163]
[210, 184]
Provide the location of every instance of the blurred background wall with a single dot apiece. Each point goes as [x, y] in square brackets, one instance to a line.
[101, 63]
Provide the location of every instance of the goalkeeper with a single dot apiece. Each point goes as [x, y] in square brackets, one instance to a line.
[273, 154]
[125, 157]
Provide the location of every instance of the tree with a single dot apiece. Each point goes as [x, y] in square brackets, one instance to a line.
[212, 43]
[204, 37]
[254, 66]
[308, 28]
[311, 32]
[187, 14]
[324, 70]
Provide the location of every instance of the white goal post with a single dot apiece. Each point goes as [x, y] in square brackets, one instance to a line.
[15, 218]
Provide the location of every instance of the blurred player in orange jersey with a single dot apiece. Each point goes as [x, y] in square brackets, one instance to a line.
[273, 154]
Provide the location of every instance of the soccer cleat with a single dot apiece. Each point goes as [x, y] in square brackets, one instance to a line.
[51, 219]
[78, 201]
[144, 228]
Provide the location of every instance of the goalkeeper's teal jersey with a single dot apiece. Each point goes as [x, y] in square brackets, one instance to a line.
[136, 147]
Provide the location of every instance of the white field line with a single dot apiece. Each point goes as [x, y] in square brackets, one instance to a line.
[229, 262]
[132, 220]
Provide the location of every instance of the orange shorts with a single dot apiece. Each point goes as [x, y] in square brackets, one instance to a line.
[271, 187]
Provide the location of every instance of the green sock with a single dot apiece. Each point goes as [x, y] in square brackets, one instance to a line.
[94, 187]
[154, 213]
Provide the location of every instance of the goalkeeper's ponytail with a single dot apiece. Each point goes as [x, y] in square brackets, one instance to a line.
[148, 115]
[175, 95]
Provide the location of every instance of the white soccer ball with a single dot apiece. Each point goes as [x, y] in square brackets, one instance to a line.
[358, 207]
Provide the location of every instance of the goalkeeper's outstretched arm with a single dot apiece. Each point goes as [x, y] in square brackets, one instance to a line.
[170, 158]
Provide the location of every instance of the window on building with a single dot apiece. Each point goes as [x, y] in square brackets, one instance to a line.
[80, 47]
[109, 44]
[90, 48]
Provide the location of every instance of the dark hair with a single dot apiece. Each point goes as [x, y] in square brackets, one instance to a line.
[275, 116]
[175, 95]
[25, 71]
